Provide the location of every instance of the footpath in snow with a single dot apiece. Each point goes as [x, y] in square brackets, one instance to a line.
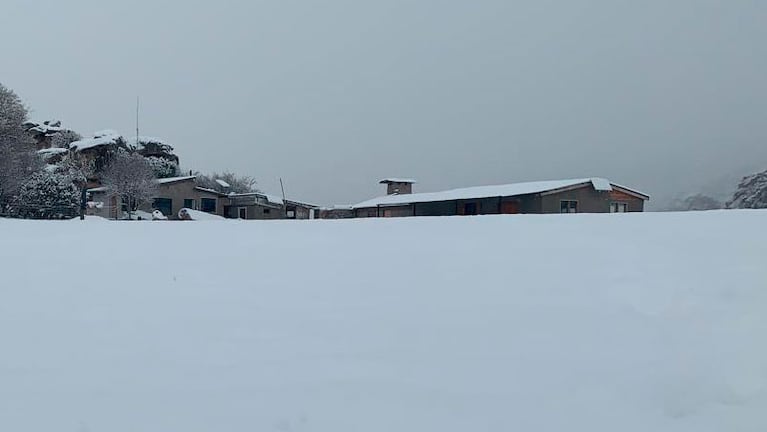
[635, 322]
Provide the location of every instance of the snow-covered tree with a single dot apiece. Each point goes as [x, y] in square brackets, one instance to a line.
[18, 161]
[163, 168]
[237, 183]
[64, 138]
[751, 192]
[50, 134]
[130, 177]
[48, 195]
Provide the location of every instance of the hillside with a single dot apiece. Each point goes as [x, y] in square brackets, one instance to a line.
[635, 322]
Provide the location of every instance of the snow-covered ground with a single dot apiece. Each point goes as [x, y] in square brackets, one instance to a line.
[635, 322]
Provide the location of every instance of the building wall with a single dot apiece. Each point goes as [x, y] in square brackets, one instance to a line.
[634, 204]
[399, 188]
[589, 200]
[366, 212]
[336, 213]
[396, 211]
[439, 208]
[178, 191]
[254, 211]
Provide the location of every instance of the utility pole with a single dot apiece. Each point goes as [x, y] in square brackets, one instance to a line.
[137, 121]
[284, 204]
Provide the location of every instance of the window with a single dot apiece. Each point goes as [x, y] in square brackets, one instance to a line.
[290, 212]
[208, 205]
[242, 212]
[619, 207]
[372, 213]
[470, 208]
[568, 206]
[165, 205]
[190, 204]
[267, 211]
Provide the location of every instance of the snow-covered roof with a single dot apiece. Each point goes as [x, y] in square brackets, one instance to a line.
[274, 199]
[486, 192]
[105, 137]
[222, 183]
[396, 180]
[175, 179]
[213, 191]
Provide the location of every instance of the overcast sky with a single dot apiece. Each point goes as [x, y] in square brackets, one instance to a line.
[665, 96]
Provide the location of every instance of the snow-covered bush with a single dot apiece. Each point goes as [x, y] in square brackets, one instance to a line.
[163, 168]
[48, 195]
[751, 192]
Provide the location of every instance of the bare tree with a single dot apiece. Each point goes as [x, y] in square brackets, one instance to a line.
[130, 177]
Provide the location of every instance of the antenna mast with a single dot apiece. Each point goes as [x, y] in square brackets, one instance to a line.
[136, 121]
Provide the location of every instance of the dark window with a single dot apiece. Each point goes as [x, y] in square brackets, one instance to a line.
[267, 211]
[470, 208]
[242, 212]
[208, 205]
[568, 206]
[290, 212]
[189, 203]
[165, 205]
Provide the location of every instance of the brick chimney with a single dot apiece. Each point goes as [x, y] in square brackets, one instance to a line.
[398, 186]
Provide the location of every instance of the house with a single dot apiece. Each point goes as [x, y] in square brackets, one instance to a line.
[259, 205]
[173, 194]
[588, 195]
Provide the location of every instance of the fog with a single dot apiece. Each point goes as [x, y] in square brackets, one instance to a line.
[666, 97]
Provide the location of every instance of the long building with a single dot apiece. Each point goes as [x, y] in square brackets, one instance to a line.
[587, 195]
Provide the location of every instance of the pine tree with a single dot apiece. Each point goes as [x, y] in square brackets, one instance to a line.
[751, 192]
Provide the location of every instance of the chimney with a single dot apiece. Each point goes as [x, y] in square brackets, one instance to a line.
[398, 186]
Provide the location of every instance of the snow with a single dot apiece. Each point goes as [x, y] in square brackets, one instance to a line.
[157, 215]
[601, 184]
[397, 180]
[105, 137]
[198, 215]
[222, 183]
[175, 179]
[88, 218]
[546, 323]
[52, 151]
[273, 199]
[483, 192]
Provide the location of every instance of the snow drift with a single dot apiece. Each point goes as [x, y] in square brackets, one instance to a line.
[635, 322]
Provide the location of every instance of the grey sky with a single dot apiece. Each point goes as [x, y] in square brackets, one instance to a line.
[667, 96]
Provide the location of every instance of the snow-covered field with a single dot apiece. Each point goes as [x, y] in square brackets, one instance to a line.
[637, 322]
